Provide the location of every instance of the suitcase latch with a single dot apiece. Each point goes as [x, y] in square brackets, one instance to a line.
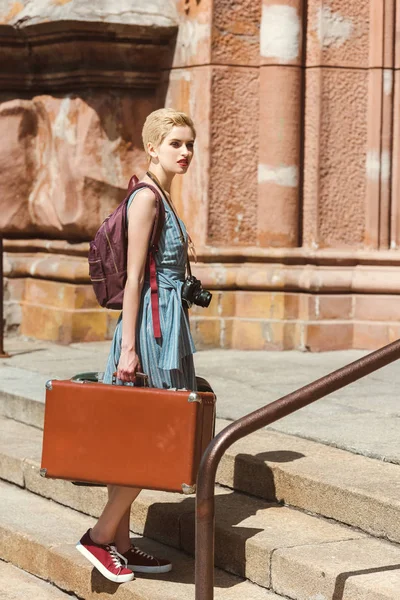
[193, 397]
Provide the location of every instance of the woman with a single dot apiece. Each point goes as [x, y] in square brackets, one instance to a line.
[168, 138]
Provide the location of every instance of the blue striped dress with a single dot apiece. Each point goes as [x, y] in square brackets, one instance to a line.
[168, 361]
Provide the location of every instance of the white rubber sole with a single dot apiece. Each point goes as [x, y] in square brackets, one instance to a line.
[100, 567]
[141, 569]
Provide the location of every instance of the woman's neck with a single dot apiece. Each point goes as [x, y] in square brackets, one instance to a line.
[165, 179]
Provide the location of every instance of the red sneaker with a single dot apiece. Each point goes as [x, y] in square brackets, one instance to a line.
[141, 562]
[105, 558]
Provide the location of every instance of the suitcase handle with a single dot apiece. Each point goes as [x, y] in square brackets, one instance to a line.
[141, 376]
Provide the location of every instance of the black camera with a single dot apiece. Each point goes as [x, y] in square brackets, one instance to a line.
[193, 293]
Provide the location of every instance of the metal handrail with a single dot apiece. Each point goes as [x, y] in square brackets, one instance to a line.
[205, 505]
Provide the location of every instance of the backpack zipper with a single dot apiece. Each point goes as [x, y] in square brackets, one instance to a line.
[111, 250]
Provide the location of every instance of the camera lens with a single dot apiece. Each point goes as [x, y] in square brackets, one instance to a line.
[203, 298]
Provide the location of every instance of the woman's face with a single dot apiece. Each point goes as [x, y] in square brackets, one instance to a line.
[176, 150]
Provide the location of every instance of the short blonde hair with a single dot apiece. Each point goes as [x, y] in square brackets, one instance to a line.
[160, 122]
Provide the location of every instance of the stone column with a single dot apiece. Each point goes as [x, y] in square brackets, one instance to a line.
[395, 212]
[280, 127]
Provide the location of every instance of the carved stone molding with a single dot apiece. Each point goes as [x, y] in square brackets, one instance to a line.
[233, 255]
[371, 279]
[63, 45]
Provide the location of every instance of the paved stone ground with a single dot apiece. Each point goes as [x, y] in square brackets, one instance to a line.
[363, 418]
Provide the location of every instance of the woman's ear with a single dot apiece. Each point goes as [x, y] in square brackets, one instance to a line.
[151, 150]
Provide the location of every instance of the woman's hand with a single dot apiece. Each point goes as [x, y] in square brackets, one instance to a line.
[128, 365]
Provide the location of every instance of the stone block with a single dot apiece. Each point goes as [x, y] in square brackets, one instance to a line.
[258, 305]
[13, 294]
[65, 326]
[89, 325]
[206, 332]
[376, 308]
[330, 307]
[67, 296]
[112, 318]
[370, 336]
[322, 337]
[222, 305]
[14, 289]
[366, 569]
[263, 335]
[293, 303]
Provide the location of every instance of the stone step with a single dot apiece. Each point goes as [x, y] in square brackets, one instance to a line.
[39, 536]
[352, 489]
[250, 532]
[16, 584]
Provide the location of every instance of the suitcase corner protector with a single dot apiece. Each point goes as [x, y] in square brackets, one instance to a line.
[188, 489]
[49, 385]
[194, 397]
[43, 472]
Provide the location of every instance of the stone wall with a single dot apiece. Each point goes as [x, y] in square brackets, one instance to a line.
[293, 196]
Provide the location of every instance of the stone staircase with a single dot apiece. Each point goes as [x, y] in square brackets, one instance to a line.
[294, 519]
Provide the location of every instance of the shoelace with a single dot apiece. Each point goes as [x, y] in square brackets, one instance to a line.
[136, 550]
[116, 557]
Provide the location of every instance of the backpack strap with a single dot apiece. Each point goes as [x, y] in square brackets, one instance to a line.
[153, 249]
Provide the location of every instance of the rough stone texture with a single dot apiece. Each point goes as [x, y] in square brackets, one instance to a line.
[19, 585]
[328, 120]
[236, 32]
[362, 493]
[13, 290]
[77, 153]
[185, 87]
[232, 211]
[395, 224]
[44, 546]
[194, 29]
[308, 555]
[252, 320]
[248, 533]
[272, 466]
[248, 530]
[337, 570]
[334, 192]
[340, 35]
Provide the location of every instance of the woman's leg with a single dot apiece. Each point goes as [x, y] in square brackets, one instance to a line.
[116, 510]
[122, 536]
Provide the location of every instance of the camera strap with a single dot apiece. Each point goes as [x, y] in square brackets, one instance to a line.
[182, 237]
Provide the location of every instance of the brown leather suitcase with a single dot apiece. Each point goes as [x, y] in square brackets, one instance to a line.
[141, 437]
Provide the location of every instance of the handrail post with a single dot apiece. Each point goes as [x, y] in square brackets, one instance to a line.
[3, 354]
[205, 528]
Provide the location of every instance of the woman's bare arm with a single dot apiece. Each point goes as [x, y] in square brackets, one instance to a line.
[141, 217]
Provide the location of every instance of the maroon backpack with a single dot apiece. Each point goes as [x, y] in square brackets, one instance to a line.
[108, 254]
